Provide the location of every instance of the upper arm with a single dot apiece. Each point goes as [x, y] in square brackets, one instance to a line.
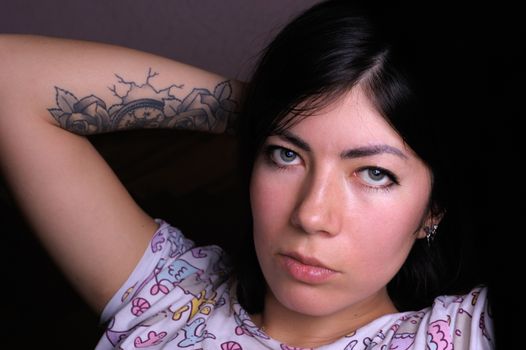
[76, 204]
[81, 212]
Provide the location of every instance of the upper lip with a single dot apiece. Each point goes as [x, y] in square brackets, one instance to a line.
[307, 260]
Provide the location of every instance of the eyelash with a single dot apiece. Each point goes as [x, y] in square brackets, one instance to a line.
[269, 157]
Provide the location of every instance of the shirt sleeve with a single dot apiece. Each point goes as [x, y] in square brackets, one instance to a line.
[461, 322]
[167, 244]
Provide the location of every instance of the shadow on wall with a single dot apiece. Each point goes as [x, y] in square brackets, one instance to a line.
[42, 309]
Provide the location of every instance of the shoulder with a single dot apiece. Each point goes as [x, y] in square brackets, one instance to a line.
[472, 305]
[460, 321]
[452, 322]
[174, 280]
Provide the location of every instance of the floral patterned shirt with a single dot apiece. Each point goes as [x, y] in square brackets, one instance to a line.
[181, 297]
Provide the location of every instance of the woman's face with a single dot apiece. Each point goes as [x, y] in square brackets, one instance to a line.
[338, 200]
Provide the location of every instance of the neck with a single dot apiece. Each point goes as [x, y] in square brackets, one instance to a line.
[306, 331]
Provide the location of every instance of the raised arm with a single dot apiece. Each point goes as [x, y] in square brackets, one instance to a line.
[52, 91]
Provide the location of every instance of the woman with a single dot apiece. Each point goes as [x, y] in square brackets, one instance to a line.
[347, 147]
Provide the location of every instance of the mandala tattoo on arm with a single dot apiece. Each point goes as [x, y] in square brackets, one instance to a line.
[143, 106]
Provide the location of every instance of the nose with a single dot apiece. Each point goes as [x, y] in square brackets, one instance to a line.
[319, 205]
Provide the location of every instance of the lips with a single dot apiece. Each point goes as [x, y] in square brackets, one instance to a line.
[305, 260]
[306, 269]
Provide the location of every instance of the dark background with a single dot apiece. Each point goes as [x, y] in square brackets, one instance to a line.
[184, 178]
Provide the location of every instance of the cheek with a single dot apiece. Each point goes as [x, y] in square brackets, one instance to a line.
[383, 233]
[401, 216]
[270, 199]
[265, 214]
[261, 202]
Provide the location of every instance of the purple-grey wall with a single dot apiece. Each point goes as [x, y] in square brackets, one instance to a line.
[222, 36]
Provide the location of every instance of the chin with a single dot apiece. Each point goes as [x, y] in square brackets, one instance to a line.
[308, 300]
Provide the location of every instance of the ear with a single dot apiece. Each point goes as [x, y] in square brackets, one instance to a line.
[431, 222]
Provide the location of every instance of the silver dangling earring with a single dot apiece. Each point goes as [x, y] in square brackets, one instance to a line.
[430, 233]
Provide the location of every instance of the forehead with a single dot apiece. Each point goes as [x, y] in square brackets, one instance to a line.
[351, 120]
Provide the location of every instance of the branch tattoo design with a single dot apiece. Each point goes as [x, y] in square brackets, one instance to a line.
[143, 106]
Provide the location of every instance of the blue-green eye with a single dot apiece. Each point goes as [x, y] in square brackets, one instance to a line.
[377, 177]
[286, 155]
[282, 156]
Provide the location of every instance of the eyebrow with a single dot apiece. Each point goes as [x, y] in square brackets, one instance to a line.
[372, 150]
[358, 152]
[294, 139]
